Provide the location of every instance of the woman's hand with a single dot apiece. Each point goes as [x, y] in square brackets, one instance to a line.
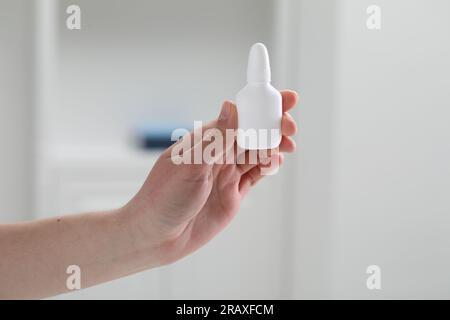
[178, 209]
[182, 206]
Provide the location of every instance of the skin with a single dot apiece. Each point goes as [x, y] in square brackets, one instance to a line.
[178, 209]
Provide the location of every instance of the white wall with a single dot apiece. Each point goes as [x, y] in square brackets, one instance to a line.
[16, 111]
[391, 151]
[372, 175]
[314, 50]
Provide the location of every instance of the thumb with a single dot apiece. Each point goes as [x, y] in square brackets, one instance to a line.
[227, 123]
[228, 116]
[215, 151]
[200, 142]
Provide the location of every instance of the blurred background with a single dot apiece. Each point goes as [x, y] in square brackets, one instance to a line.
[369, 185]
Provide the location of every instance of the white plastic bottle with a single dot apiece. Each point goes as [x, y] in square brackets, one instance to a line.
[259, 105]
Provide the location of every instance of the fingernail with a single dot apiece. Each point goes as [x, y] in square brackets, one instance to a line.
[225, 112]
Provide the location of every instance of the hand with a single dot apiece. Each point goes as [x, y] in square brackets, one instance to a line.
[178, 209]
[182, 207]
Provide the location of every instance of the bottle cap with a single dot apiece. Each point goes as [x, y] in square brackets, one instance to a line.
[258, 69]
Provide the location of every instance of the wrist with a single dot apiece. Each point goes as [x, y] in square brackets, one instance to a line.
[142, 243]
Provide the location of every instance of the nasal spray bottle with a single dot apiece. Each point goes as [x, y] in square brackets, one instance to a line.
[259, 105]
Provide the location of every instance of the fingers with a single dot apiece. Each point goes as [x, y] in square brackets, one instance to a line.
[287, 144]
[288, 125]
[218, 136]
[251, 159]
[249, 179]
[252, 176]
[281, 159]
[290, 99]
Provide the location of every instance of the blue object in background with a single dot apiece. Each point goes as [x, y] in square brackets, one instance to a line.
[157, 136]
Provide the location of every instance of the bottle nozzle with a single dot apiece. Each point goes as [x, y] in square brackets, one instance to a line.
[258, 69]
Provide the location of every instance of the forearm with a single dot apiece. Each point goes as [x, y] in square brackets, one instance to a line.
[34, 256]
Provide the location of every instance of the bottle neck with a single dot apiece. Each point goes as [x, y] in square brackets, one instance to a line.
[257, 83]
